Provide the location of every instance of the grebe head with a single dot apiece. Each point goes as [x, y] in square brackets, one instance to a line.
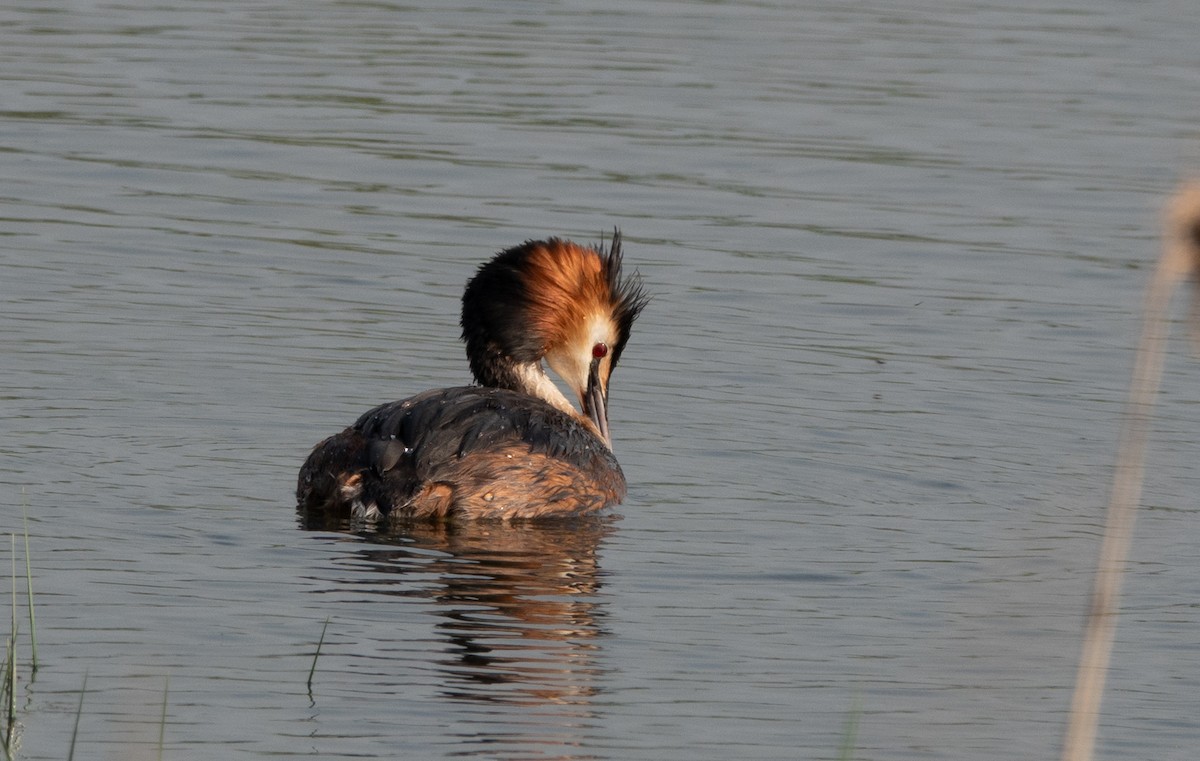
[558, 301]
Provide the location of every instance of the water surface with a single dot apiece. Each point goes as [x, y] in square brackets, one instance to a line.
[868, 420]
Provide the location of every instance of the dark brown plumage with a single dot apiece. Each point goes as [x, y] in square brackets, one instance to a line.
[512, 447]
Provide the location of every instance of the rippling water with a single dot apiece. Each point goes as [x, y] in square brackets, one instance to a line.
[896, 254]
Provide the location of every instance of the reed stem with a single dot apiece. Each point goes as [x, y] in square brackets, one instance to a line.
[1181, 258]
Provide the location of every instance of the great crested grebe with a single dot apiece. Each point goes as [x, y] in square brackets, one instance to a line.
[513, 446]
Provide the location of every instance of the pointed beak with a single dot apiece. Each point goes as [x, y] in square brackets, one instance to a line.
[595, 402]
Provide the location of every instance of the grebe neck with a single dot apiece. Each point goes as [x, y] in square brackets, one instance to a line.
[535, 382]
[529, 378]
[526, 377]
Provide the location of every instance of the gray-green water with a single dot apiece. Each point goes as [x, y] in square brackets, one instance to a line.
[897, 253]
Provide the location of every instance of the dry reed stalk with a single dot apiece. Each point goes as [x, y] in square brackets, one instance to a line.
[1180, 259]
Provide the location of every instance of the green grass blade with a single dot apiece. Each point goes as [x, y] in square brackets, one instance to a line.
[29, 593]
[850, 731]
[8, 697]
[78, 714]
[162, 722]
[14, 588]
[317, 654]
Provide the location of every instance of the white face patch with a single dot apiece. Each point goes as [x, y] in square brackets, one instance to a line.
[573, 361]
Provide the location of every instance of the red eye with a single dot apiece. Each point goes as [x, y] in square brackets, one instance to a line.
[599, 350]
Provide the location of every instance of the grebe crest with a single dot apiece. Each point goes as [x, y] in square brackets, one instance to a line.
[558, 301]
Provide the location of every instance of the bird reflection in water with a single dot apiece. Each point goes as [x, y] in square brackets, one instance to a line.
[518, 612]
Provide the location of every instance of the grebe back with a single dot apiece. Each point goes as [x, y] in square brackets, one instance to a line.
[512, 447]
